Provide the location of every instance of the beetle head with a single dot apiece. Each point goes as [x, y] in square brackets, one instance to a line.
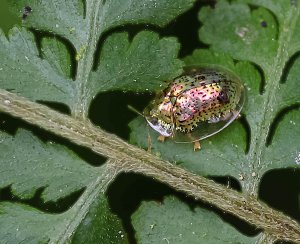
[163, 128]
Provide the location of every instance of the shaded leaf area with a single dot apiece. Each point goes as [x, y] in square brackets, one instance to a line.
[57, 55]
[237, 34]
[137, 66]
[280, 190]
[28, 164]
[285, 149]
[8, 19]
[39, 227]
[100, 225]
[24, 72]
[69, 19]
[290, 91]
[181, 224]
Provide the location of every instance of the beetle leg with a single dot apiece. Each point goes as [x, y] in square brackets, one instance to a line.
[161, 138]
[197, 145]
[149, 143]
[238, 117]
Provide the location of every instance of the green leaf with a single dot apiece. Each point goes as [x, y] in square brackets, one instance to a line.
[65, 18]
[29, 164]
[100, 226]
[281, 154]
[147, 59]
[137, 66]
[175, 222]
[56, 53]
[23, 71]
[240, 32]
[40, 227]
[35, 227]
[289, 90]
[69, 19]
[134, 11]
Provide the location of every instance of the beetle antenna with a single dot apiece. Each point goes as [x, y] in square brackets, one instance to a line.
[134, 110]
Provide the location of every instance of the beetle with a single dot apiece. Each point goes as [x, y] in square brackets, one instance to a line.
[198, 104]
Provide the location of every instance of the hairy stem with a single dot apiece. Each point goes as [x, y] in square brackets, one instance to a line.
[133, 159]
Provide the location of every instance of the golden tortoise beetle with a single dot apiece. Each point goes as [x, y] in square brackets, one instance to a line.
[198, 104]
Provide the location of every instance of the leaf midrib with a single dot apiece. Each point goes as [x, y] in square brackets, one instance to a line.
[85, 64]
[273, 75]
